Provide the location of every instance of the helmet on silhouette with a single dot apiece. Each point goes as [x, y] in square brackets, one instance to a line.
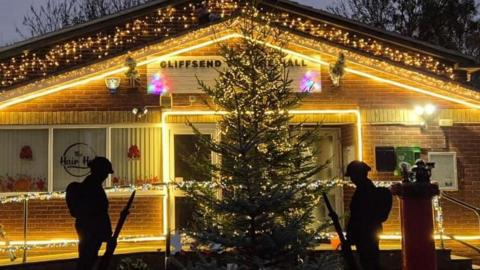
[357, 168]
[100, 165]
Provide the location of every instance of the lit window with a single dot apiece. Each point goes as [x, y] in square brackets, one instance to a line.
[24, 160]
[72, 150]
[136, 156]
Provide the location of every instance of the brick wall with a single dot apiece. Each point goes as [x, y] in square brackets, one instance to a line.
[463, 139]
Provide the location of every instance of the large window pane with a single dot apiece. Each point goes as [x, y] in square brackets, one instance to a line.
[72, 150]
[24, 160]
[327, 154]
[136, 155]
[185, 147]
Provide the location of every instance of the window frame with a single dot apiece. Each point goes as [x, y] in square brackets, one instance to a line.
[336, 133]
[52, 128]
[183, 129]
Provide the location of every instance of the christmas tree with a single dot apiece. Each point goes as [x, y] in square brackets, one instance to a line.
[259, 200]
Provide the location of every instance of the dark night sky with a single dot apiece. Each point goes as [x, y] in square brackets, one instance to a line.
[12, 11]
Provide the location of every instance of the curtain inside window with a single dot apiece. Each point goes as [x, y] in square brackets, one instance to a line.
[23, 160]
[136, 155]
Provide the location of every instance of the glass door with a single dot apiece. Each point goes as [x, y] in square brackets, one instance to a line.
[328, 150]
[183, 146]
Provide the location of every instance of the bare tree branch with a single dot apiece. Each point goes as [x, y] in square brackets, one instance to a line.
[452, 24]
[54, 15]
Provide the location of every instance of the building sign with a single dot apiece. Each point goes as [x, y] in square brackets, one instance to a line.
[73, 148]
[75, 159]
[179, 74]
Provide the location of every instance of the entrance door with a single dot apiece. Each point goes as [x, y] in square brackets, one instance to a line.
[329, 152]
[183, 144]
[327, 146]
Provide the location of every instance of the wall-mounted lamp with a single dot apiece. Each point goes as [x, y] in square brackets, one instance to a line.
[140, 112]
[426, 112]
[112, 84]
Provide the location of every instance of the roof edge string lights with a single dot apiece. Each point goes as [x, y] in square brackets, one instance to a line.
[55, 89]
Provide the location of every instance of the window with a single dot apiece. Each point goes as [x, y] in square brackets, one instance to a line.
[326, 147]
[49, 158]
[72, 150]
[185, 146]
[24, 160]
[136, 155]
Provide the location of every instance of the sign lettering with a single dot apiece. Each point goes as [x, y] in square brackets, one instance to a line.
[180, 73]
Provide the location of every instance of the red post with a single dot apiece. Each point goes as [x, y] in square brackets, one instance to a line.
[416, 213]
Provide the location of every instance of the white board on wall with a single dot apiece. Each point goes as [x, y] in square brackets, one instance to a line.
[181, 72]
[445, 171]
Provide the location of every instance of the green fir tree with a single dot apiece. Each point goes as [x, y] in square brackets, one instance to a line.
[258, 202]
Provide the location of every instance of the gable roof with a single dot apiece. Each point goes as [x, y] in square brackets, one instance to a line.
[107, 37]
[377, 33]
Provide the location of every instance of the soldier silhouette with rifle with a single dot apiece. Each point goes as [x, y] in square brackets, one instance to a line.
[369, 208]
[88, 203]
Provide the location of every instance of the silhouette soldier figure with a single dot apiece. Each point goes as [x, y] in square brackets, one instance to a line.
[369, 207]
[88, 203]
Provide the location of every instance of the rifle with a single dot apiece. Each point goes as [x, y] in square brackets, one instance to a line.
[107, 256]
[346, 248]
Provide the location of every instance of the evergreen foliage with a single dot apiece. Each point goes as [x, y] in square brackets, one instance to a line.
[258, 201]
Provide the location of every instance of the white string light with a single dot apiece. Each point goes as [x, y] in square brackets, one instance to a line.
[45, 196]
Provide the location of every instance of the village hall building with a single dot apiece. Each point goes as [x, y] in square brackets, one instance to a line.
[123, 87]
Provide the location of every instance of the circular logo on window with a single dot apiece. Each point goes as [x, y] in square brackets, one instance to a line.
[75, 159]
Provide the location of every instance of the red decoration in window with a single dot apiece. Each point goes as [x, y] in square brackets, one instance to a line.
[41, 184]
[115, 181]
[26, 153]
[133, 152]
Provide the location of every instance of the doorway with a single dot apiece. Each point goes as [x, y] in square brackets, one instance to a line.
[328, 149]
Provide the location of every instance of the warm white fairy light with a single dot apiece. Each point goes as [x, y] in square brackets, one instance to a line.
[168, 21]
[62, 243]
[45, 196]
[49, 90]
[439, 217]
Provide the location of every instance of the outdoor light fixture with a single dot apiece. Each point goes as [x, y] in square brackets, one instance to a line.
[140, 112]
[425, 111]
[112, 84]
[430, 109]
